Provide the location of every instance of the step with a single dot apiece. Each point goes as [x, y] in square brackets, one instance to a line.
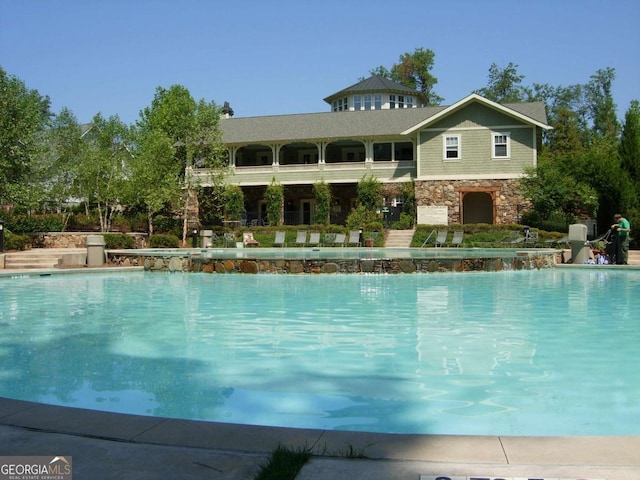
[41, 258]
[399, 238]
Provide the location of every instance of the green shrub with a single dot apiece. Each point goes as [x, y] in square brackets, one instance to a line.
[118, 241]
[405, 222]
[164, 241]
[16, 242]
[21, 223]
[82, 222]
[164, 224]
[361, 217]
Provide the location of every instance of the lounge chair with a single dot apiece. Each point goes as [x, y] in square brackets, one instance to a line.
[301, 238]
[249, 241]
[314, 239]
[229, 239]
[456, 241]
[441, 239]
[354, 238]
[511, 240]
[557, 242]
[339, 239]
[280, 239]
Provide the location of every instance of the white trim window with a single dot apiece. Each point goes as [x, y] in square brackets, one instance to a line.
[501, 145]
[451, 147]
[357, 102]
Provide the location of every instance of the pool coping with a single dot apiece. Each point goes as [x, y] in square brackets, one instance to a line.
[249, 439]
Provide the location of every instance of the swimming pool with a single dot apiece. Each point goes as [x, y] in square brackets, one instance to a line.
[550, 352]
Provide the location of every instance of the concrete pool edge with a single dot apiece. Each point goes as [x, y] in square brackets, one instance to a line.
[481, 452]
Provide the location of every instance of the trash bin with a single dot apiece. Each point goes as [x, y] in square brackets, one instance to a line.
[95, 250]
[580, 248]
[206, 237]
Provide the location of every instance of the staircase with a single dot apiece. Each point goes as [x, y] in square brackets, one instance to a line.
[399, 238]
[37, 258]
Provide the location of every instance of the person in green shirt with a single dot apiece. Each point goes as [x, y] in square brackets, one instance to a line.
[622, 227]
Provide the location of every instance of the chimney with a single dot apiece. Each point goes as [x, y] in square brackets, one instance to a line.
[227, 111]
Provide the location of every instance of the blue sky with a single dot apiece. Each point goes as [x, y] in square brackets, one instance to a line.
[279, 57]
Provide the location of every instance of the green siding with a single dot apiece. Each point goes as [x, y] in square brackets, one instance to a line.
[476, 144]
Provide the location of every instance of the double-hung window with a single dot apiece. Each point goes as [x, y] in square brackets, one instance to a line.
[452, 147]
[501, 145]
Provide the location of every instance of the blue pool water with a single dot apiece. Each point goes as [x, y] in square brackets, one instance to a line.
[553, 352]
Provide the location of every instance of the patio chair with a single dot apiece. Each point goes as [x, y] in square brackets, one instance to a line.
[441, 239]
[339, 239]
[301, 238]
[354, 238]
[456, 241]
[513, 239]
[249, 241]
[557, 242]
[280, 239]
[228, 239]
[314, 239]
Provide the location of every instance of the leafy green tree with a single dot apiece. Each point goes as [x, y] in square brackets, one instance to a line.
[602, 108]
[630, 144]
[414, 71]
[172, 111]
[153, 175]
[504, 85]
[100, 179]
[322, 194]
[24, 114]
[552, 191]
[274, 199]
[370, 194]
[192, 128]
[57, 170]
[234, 202]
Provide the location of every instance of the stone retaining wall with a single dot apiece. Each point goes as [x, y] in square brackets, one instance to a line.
[519, 261]
[78, 239]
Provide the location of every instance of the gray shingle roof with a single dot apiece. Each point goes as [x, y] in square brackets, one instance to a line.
[338, 125]
[374, 84]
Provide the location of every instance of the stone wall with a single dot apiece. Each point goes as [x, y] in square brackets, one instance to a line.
[78, 239]
[515, 261]
[508, 203]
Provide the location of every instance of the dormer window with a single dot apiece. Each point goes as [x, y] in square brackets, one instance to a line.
[340, 105]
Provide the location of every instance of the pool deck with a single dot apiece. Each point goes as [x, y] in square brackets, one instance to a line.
[117, 446]
[112, 446]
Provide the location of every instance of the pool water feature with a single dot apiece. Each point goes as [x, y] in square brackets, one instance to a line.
[551, 352]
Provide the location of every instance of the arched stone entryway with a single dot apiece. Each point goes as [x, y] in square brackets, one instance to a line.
[478, 207]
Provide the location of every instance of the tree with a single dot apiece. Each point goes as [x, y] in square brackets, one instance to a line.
[503, 85]
[24, 114]
[274, 199]
[233, 202]
[602, 108]
[192, 128]
[322, 194]
[552, 191]
[153, 176]
[57, 170]
[630, 144]
[413, 70]
[100, 178]
[370, 193]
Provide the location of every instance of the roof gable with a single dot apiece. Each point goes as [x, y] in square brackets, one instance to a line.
[530, 113]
